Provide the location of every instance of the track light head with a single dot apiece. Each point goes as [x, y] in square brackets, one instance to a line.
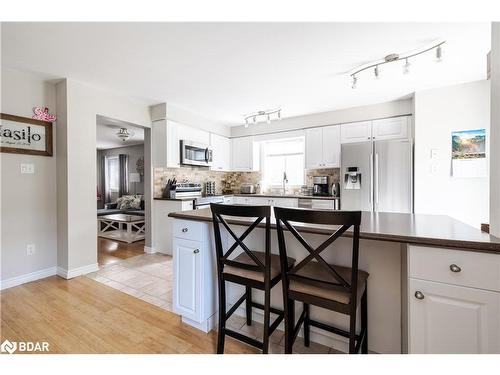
[376, 72]
[406, 67]
[439, 54]
[354, 81]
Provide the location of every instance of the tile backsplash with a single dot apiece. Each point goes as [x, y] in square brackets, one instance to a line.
[226, 182]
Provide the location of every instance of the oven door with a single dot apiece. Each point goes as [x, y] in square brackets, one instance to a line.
[195, 153]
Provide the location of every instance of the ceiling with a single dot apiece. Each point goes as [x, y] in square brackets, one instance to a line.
[223, 71]
[107, 129]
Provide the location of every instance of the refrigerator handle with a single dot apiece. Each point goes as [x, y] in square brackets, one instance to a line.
[376, 179]
[371, 178]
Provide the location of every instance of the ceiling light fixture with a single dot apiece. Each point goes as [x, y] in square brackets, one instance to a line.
[395, 57]
[261, 116]
[123, 134]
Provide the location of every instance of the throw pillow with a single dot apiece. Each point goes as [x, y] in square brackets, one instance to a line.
[128, 202]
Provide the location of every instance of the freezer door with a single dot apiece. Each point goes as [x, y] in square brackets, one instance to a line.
[393, 176]
[358, 155]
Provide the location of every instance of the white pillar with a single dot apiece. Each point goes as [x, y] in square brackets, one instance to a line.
[495, 131]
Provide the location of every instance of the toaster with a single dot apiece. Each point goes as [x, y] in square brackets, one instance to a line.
[247, 189]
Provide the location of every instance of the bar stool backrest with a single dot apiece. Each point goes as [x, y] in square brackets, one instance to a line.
[343, 219]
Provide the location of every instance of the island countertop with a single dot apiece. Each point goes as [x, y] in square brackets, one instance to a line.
[417, 229]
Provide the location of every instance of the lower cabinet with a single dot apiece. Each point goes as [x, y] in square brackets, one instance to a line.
[187, 267]
[267, 201]
[453, 301]
[194, 297]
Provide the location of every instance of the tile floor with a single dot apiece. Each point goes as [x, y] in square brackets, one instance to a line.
[149, 278]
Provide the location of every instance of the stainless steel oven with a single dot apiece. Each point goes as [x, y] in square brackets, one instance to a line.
[193, 153]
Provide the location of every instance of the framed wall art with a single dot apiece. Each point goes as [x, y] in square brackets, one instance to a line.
[23, 135]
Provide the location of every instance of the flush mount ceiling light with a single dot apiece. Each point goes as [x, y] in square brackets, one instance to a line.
[267, 115]
[394, 57]
[123, 134]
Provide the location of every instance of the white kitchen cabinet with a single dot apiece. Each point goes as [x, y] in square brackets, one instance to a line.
[391, 128]
[267, 201]
[244, 154]
[194, 274]
[221, 148]
[450, 319]
[322, 147]
[453, 301]
[356, 132]
[285, 202]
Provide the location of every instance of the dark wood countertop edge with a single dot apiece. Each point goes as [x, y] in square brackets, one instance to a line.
[484, 247]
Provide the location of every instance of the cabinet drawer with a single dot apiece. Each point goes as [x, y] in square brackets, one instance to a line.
[466, 268]
[189, 230]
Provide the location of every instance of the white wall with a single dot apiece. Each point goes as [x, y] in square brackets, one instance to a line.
[437, 113]
[78, 106]
[29, 205]
[495, 131]
[369, 112]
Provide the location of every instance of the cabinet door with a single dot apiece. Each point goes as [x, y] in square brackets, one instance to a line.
[356, 132]
[242, 154]
[187, 278]
[331, 146]
[221, 147]
[314, 148]
[174, 133]
[285, 202]
[452, 319]
[391, 128]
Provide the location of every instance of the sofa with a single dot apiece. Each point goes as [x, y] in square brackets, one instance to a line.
[113, 208]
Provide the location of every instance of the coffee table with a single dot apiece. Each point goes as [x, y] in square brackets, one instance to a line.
[121, 227]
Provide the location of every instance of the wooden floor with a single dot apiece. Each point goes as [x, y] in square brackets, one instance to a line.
[111, 251]
[84, 316]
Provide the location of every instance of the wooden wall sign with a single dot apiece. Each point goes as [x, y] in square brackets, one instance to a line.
[23, 135]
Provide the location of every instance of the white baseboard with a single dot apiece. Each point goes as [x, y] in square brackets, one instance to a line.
[149, 250]
[69, 274]
[205, 326]
[18, 280]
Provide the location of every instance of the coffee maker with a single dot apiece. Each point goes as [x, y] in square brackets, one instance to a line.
[320, 185]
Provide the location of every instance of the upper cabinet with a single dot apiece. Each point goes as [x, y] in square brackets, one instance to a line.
[323, 147]
[356, 132]
[244, 154]
[221, 148]
[365, 131]
[391, 128]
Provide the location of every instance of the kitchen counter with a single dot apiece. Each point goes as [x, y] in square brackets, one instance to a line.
[298, 196]
[417, 229]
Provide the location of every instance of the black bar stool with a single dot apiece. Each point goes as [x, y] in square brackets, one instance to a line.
[313, 281]
[252, 269]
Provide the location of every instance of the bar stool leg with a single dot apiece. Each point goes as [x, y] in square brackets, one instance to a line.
[364, 321]
[352, 331]
[307, 326]
[267, 320]
[248, 304]
[222, 317]
[291, 326]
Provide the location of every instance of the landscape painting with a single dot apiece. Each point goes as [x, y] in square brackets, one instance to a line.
[468, 144]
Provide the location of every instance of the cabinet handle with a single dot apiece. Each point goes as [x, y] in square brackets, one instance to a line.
[184, 230]
[196, 251]
[455, 268]
[419, 295]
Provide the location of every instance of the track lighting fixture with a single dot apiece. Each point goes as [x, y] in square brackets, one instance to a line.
[395, 57]
[266, 115]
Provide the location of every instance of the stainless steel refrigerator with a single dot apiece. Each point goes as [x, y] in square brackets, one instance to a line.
[377, 176]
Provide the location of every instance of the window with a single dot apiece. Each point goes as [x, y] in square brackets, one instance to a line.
[283, 156]
[113, 173]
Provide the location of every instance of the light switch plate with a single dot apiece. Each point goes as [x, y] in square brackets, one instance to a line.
[434, 153]
[434, 168]
[27, 168]
[30, 249]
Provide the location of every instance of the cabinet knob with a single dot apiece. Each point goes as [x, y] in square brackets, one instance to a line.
[419, 295]
[196, 251]
[184, 230]
[455, 268]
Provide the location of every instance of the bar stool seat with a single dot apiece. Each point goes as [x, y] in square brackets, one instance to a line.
[256, 275]
[316, 271]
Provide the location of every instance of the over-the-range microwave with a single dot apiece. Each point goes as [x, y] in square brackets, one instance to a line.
[193, 153]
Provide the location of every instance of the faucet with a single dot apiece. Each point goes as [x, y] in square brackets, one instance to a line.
[285, 181]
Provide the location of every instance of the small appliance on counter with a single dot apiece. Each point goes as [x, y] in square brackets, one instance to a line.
[210, 188]
[336, 189]
[247, 189]
[186, 190]
[320, 185]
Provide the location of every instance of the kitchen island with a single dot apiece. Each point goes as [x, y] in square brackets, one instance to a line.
[434, 284]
